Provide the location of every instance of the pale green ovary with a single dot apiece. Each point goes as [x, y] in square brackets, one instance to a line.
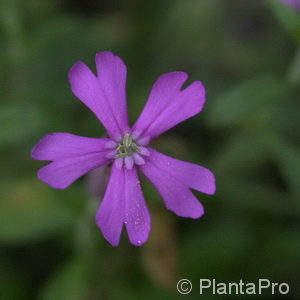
[127, 147]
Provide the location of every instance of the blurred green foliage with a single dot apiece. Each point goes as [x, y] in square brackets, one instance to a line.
[246, 53]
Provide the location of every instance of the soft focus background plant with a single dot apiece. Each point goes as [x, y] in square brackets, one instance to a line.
[248, 56]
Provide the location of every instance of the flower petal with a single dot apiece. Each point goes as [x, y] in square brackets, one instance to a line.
[72, 157]
[61, 173]
[110, 215]
[103, 95]
[137, 217]
[161, 95]
[173, 178]
[167, 105]
[189, 174]
[60, 145]
[112, 77]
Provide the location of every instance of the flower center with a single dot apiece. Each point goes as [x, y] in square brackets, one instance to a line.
[127, 147]
[129, 151]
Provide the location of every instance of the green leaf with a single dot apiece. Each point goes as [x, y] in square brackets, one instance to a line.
[19, 123]
[12, 285]
[287, 157]
[71, 281]
[289, 164]
[28, 211]
[217, 248]
[294, 71]
[288, 17]
[254, 195]
[251, 101]
[280, 245]
[240, 155]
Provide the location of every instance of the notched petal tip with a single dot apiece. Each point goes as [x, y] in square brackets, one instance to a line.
[34, 154]
[114, 242]
[211, 183]
[198, 213]
[38, 150]
[141, 238]
[195, 213]
[44, 178]
[169, 103]
[82, 81]
[202, 92]
[75, 69]
[108, 58]
[175, 75]
[102, 54]
[139, 243]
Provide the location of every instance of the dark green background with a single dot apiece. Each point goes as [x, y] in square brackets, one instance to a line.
[247, 55]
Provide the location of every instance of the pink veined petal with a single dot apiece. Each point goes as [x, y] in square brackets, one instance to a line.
[173, 178]
[162, 93]
[103, 95]
[137, 217]
[189, 174]
[60, 145]
[63, 172]
[124, 203]
[167, 105]
[72, 157]
[110, 215]
[112, 74]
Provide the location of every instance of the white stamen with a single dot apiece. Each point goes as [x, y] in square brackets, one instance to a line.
[128, 162]
[110, 144]
[119, 163]
[111, 154]
[138, 159]
[143, 141]
[144, 151]
[136, 134]
[118, 137]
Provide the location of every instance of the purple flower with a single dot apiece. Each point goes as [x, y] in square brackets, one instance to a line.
[293, 3]
[127, 149]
